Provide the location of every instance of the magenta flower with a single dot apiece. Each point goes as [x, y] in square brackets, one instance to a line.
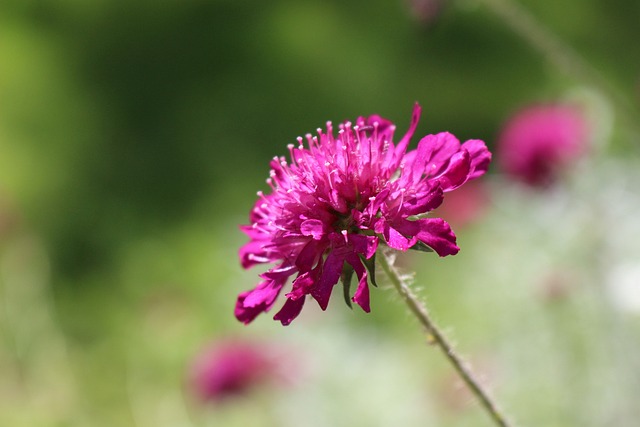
[540, 141]
[338, 198]
[230, 368]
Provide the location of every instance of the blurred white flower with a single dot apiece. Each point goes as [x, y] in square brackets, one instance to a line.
[624, 286]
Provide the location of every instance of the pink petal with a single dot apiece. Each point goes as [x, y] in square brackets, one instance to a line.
[329, 277]
[365, 245]
[434, 153]
[289, 311]
[480, 157]
[401, 147]
[423, 202]
[386, 127]
[456, 173]
[263, 294]
[361, 296]
[302, 285]
[312, 227]
[310, 254]
[433, 232]
[396, 240]
[281, 272]
[253, 253]
[374, 205]
[260, 299]
[246, 314]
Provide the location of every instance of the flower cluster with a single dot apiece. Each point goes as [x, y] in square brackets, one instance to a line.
[339, 198]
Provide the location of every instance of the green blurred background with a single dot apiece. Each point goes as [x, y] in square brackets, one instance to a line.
[134, 135]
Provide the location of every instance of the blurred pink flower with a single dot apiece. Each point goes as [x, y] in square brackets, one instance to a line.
[540, 141]
[465, 205]
[231, 368]
[342, 195]
[426, 11]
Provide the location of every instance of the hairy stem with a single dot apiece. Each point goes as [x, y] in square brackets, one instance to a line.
[421, 313]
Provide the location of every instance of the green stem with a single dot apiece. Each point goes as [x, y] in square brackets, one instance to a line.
[421, 313]
[560, 54]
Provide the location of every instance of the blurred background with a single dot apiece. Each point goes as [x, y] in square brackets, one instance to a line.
[135, 134]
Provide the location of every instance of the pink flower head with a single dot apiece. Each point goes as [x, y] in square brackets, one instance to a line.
[230, 368]
[540, 141]
[338, 198]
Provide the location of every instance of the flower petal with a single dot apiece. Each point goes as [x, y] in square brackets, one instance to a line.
[423, 202]
[246, 314]
[329, 277]
[385, 128]
[251, 303]
[401, 147]
[396, 239]
[434, 232]
[480, 157]
[313, 228]
[302, 285]
[365, 245]
[310, 254]
[361, 296]
[456, 173]
[433, 154]
[281, 272]
[289, 311]
[263, 294]
[253, 253]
